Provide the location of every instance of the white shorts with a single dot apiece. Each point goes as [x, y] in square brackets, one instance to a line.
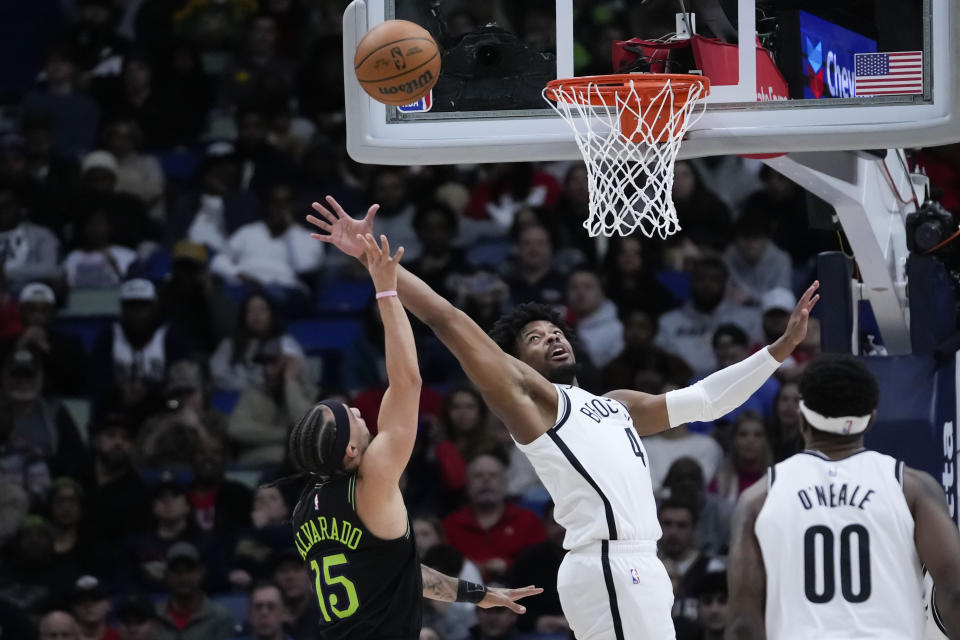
[616, 590]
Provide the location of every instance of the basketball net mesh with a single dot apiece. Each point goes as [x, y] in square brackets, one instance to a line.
[629, 143]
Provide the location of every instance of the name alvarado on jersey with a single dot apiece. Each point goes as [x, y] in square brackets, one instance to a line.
[831, 496]
[323, 528]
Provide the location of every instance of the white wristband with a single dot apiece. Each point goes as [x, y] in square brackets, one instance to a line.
[721, 392]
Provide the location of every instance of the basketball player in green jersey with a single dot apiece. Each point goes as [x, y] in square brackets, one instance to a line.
[351, 525]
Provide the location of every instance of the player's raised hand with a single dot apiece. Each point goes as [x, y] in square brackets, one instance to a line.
[796, 329]
[342, 230]
[498, 597]
[381, 265]
[797, 325]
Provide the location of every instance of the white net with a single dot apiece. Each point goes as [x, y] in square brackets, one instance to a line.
[629, 140]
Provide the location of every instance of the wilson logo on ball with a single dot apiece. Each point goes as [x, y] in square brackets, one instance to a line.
[425, 79]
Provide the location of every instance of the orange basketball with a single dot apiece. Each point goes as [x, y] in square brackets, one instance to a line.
[397, 62]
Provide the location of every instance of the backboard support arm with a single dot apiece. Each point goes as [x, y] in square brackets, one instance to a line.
[873, 218]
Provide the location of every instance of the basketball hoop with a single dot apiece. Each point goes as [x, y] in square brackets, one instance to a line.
[629, 128]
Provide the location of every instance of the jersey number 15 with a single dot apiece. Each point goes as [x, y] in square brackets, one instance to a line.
[329, 586]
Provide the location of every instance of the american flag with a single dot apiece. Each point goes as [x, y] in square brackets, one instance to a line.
[888, 74]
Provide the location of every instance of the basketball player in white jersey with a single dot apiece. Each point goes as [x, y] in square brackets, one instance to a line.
[585, 448]
[832, 544]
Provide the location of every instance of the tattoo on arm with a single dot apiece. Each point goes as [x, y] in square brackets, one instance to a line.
[438, 586]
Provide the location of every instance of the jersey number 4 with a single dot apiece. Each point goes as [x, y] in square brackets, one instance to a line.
[635, 445]
[822, 537]
[332, 590]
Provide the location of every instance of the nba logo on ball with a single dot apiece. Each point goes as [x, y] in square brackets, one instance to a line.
[635, 575]
[422, 105]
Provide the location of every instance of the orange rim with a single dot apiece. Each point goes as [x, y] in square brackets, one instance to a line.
[645, 84]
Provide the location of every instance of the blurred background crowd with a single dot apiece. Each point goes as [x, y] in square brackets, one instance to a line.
[165, 319]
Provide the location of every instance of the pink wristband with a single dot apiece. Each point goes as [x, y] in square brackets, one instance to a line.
[386, 294]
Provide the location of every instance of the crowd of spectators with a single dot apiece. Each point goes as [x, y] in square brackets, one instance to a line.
[165, 318]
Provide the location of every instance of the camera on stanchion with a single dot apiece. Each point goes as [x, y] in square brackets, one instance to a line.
[930, 230]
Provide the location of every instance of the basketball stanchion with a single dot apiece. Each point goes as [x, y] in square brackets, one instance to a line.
[629, 128]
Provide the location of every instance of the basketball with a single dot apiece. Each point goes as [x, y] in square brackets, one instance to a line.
[397, 62]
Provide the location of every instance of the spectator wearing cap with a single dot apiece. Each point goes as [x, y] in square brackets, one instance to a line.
[257, 544]
[220, 506]
[117, 499]
[712, 617]
[132, 355]
[96, 262]
[188, 614]
[75, 116]
[688, 331]
[203, 313]
[136, 618]
[218, 207]
[275, 255]
[90, 606]
[594, 316]
[265, 413]
[170, 438]
[299, 599]
[138, 174]
[62, 355]
[59, 625]
[43, 424]
[265, 613]
[129, 224]
[233, 365]
[145, 554]
[756, 264]
[28, 251]
[776, 305]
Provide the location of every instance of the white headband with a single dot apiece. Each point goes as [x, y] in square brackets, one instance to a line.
[844, 425]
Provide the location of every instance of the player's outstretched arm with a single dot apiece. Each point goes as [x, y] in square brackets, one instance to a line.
[746, 576]
[723, 391]
[938, 544]
[439, 586]
[380, 502]
[521, 397]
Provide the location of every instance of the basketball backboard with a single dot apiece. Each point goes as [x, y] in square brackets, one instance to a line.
[787, 75]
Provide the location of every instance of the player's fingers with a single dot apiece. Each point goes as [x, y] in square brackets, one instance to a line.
[398, 255]
[813, 301]
[514, 606]
[317, 222]
[337, 209]
[321, 238]
[324, 214]
[525, 592]
[385, 244]
[371, 212]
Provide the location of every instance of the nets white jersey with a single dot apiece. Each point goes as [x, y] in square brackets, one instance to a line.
[596, 470]
[838, 548]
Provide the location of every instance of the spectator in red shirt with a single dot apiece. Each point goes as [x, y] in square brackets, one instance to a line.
[466, 434]
[490, 531]
[90, 606]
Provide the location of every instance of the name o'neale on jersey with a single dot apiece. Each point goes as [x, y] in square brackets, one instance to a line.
[599, 407]
[322, 528]
[833, 495]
